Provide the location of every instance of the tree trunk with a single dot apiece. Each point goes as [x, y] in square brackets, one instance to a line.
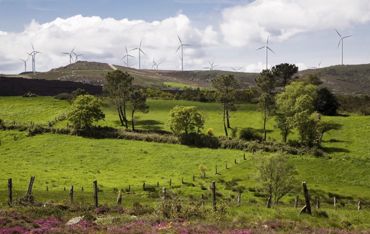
[120, 116]
[264, 124]
[124, 115]
[228, 119]
[224, 121]
[133, 120]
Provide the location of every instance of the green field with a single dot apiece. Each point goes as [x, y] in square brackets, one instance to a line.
[59, 161]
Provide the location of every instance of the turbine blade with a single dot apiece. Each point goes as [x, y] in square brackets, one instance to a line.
[270, 50]
[263, 47]
[347, 36]
[179, 39]
[340, 35]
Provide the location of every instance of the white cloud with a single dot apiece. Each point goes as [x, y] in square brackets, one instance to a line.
[104, 40]
[282, 19]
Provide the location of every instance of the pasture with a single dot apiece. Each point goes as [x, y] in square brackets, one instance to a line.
[59, 161]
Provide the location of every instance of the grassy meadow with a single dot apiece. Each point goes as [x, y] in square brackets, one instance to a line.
[59, 161]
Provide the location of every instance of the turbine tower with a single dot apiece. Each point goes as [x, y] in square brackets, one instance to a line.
[341, 42]
[70, 54]
[33, 54]
[140, 51]
[181, 47]
[25, 63]
[267, 48]
[127, 56]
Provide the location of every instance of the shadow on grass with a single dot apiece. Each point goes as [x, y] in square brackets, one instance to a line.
[335, 150]
[149, 124]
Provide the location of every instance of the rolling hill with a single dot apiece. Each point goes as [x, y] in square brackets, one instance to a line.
[349, 79]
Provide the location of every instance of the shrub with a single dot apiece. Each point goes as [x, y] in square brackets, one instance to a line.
[199, 140]
[29, 94]
[64, 96]
[84, 111]
[185, 120]
[250, 134]
[326, 102]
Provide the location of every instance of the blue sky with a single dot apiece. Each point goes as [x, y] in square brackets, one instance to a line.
[226, 32]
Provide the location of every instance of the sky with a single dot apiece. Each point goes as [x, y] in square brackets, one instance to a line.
[224, 32]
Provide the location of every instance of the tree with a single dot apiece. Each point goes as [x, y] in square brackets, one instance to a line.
[284, 73]
[186, 119]
[119, 86]
[138, 103]
[226, 87]
[326, 102]
[266, 86]
[294, 108]
[85, 110]
[278, 177]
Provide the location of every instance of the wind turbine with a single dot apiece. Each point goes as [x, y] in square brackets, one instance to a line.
[181, 47]
[140, 51]
[156, 64]
[25, 63]
[267, 48]
[127, 56]
[77, 56]
[236, 69]
[212, 66]
[70, 54]
[33, 54]
[341, 42]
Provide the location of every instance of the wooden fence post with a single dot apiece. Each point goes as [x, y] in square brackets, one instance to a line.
[359, 205]
[129, 188]
[317, 202]
[82, 188]
[164, 193]
[96, 191]
[268, 203]
[216, 170]
[144, 186]
[235, 161]
[202, 200]
[29, 197]
[71, 194]
[119, 198]
[244, 157]
[64, 189]
[193, 178]
[47, 188]
[239, 198]
[170, 182]
[182, 180]
[307, 208]
[335, 202]
[213, 189]
[226, 166]
[10, 192]
[296, 201]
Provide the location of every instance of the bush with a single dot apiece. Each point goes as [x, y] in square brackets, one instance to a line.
[326, 102]
[199, 140]
[250, 134]
[64, 96]
[29, 94]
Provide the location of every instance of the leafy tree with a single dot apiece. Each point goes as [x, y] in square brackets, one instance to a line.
[85, 110]
[284, 72]
[278, 177]
[186, 119]
[119, 86]
[138, 103]
[326, 102]
[294, 109]
[226, 86]
[266, 86]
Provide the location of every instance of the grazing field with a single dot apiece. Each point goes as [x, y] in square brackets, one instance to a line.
[59, 161]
